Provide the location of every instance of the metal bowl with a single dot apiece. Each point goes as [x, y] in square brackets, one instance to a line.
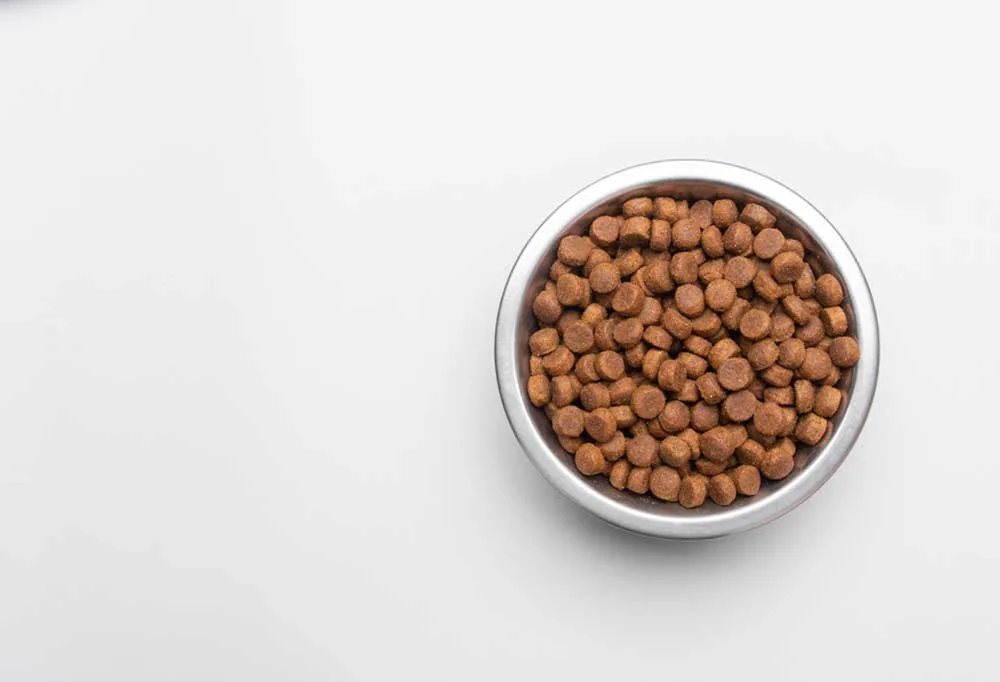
[691, 179]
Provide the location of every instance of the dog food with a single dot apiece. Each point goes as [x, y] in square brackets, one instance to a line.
[688, 351]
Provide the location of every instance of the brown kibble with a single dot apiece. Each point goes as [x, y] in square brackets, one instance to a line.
[829, 291]
[604, 230]
[750, 452]
[698, 345]
[811, 429]
[566, 319]
[740, 271]
[565, 389]
[834, 321]
[619, 474]
[665, 483]
[710, 389]
[791, 353]
[604, 278]
[674, 451]
[574, 249]
[614, 449]
[766, 287]
[568, 443]
[692, 492]
[539, 390]
[722, 350]
[690, 300]
[735, 374]
[711, 270]
[694, 365]
[768, 243]
[635, 355]
[671, 375]
[709, 468]
[658, 278]
[782, 327]
[732, 317]
[568, 421]
[627, 332]
[579, 337]
[688, 392]
[720, 295]
[658, 337]
[593, 314]
[827, 401]
[659, 235]
[757, 217]
[651, 362]
[635, 231]
[746, 479]
[816, 365]
[805, 396]
[684, 267]
[704, 416]
[628, 299]
[721, 489]
[783, 395]
[738, 238]
[570, 289]
[833, 379]
[777, 464]
[638, 480]
[628, 262]
[685, 234]
[586, 369]
[707, 324]
[604, 337]
[621, 390]
[739, 406]
[724, 212]
[624, 416]
[675, 323]
[544, 341]
[796, 309]
[844, 351]
[763, 354]
[546, 307]
[590, 460]
[610, 365]
[596, 257]
[665, 208]
[811, 333]
[711, 243]
[559, 361]
[769, 419]
[595, 395]
[786, 267]
[652, 311]
[805, 285]
[755, 325]
[701, 213]
[717, 444]
[600, 424]
[641, 450]
[639, 206]
[675, 417]
[535, 366]
[648, 402]
[776, 375]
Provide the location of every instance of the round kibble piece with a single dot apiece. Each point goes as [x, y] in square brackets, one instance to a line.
[710, 389]
[544, 341]
[648, 402]
[834, 321]
[621, 390]
[658, 278]
[665, 483]
[674, 451]
[722, 490]
[604, 278]
[619, 474]
[755, 325]
[724, 212]
[586, 369]
[610, 365]
[769, 419]
[665, 208]
[766, 287]
[614, 449]
[675, 417]
[735, 374]
[704, 416]
[782, 327]
[641, 450]
[763, 354]
[791, 353]
[786, 267]
[567, 318]
[579, 337]
[638, 480]
[658, 337]
[716, 444]
[570, 289]
[624, 416]
[817, 364]
[692, 492]
[638, 206]
[812, 332]
[539, 390]
[671, 375]
[829, 292]
[627, 332]
[689, 393]
[679, 326]
[604, 230]
[590, 460]
[604, 334]
[559, 361]
[686, 234]
[635, 354]
[777, 464]
[746, 479]
[827, 401]
[707, 324]
[768, 243]
[546, 307]
[720, 294]
[595, 395]
[593, 314]
[565, 389]
[739, 406]
[701, 213]
[844, 351]
[690, 300]
[722, 350]
[600, 424]
[684, 267]
[738, 238]
[757, 217]
[711, 243]
[659, 235]
[628, 299]
[568, 421]
[805, 396]
[635, 231]
[574, 250]
[810, 429]
[711, 270]
[628, 261]
[740, 271]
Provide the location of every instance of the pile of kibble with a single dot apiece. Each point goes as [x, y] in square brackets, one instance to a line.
[684, 351]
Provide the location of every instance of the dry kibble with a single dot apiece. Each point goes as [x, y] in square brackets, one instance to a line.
[844, 351]
[722, 489]
[675, 417]
[618, 476]
[810, 429]
[648, 402]
[685, 351]
[829, 292]
[638, 480]
[735, 374]
[692, 492]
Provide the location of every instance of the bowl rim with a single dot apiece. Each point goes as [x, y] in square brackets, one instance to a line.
[727, 521]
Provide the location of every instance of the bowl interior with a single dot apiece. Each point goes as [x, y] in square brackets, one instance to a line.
[692, 190]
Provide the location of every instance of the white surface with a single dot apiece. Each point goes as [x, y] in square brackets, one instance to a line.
[251, 254]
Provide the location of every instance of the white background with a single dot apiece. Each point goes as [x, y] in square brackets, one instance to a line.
[250, 257]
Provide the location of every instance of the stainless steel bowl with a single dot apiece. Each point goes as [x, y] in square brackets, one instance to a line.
[690, 179]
